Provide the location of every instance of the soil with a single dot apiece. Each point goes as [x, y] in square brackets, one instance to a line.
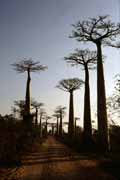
[54, 161]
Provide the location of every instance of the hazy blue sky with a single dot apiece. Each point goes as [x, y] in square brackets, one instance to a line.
[40, 29]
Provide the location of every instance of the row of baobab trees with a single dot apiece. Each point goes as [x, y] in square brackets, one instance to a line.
[98, 31]
[39, 117]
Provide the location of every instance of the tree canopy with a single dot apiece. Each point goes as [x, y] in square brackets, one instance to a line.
[82, 57]
[96, 29]
[70, 84]
[28, 64]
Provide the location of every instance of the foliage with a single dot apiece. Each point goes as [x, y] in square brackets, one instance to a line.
[14, 139]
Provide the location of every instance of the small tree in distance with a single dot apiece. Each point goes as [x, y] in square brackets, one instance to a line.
[57, 116]
[61, 111]
[14, 111]
[42, 116]
[21, 107]
[70, 85]
[36, 105]
[28, 65]
[46, 124]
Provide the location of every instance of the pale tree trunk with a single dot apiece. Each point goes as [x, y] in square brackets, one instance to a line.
[87, 109]
[101, 102]
[27, 101]
[71, 116]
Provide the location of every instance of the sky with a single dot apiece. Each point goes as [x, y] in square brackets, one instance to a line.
[40, 29]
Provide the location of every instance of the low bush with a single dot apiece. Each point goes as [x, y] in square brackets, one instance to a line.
[15, 138]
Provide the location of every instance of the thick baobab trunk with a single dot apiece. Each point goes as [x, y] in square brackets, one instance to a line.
[36, 117]
[27, 116]
[27, 102]
[71, 116]
[101, 102]
[40, 125]
[60, 127]
[87, 109]
[57, 126]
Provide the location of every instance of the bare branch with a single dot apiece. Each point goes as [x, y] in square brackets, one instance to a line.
[96, 29]
[28, 64]
[70, 84]
[82, 57]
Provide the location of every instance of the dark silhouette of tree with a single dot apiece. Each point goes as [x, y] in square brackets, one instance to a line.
[37, 106]
[28, 65]
[14, 111]
[86, 59]
[21, 107]
[70, 85]
[76, 119]
[42, 116]
[61, 111]
[99, 31]
[53, 126]
[46, 124]
[57, 116]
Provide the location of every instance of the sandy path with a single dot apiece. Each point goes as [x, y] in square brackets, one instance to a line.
[55, 161]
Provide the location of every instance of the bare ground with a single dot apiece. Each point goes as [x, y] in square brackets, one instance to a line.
[55, 161]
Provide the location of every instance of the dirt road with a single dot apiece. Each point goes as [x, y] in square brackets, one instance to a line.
[55, 161]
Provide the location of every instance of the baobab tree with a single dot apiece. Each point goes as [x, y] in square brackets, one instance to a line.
[76, 119]
[99, 31]
[70, 85]
[57, 116]
[87, 60]
[53, 126]
[28, 65]
[46, 123]
[61, 111]
[37, 106]
[42, 116]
